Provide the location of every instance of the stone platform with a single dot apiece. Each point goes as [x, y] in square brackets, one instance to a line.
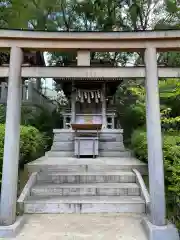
[110, 143]
[82, 227]
[71, 164]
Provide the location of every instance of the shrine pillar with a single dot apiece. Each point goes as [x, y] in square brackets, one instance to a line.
[73, 104]
[157, 227]
[154, 138]
[11, 141]
[83, 58]
[104, 119]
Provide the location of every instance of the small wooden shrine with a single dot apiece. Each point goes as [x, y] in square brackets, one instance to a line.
[90, 109]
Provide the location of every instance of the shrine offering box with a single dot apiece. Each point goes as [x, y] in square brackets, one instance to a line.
[86, 140]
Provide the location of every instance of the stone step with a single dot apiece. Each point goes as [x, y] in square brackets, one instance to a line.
[87, 177]
[115, 153]
[85, 168]
[96, 189]
[105, 146]
[111, 146]
[113, 135]
[63, 146]
[101, 153]
[71, 165]
[60, 154]
[84, 204]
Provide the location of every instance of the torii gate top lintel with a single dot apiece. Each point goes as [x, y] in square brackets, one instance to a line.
[45, 40]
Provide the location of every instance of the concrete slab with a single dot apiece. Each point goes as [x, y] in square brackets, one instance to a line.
[80, 227]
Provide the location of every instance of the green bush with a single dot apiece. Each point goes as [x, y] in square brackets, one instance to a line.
[130, 103]
[43, 120]
[32, 144]
[170, 95]
[171, 151]
[171, 147]
[39, 118]
[170, 123]
[137, 112]
[2, 114]
[139, 144]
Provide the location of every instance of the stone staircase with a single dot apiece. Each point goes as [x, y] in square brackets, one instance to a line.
[84, 192]
[60, 183]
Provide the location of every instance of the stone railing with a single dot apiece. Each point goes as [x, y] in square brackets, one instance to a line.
[30, 95]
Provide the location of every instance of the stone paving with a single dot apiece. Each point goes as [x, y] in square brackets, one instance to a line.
[79, 227]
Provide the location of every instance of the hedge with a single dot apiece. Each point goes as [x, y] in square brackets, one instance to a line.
[32, 144]
[173, 123]
[38, 117]
[171, 151]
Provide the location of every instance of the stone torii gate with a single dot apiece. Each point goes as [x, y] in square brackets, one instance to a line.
[83, 42]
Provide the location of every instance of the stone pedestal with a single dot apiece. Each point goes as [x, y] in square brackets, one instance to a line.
[11, 231]
[167, 232]
[110, 143]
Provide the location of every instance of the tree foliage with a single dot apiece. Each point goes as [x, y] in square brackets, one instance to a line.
[130, 102]
[90, 15]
